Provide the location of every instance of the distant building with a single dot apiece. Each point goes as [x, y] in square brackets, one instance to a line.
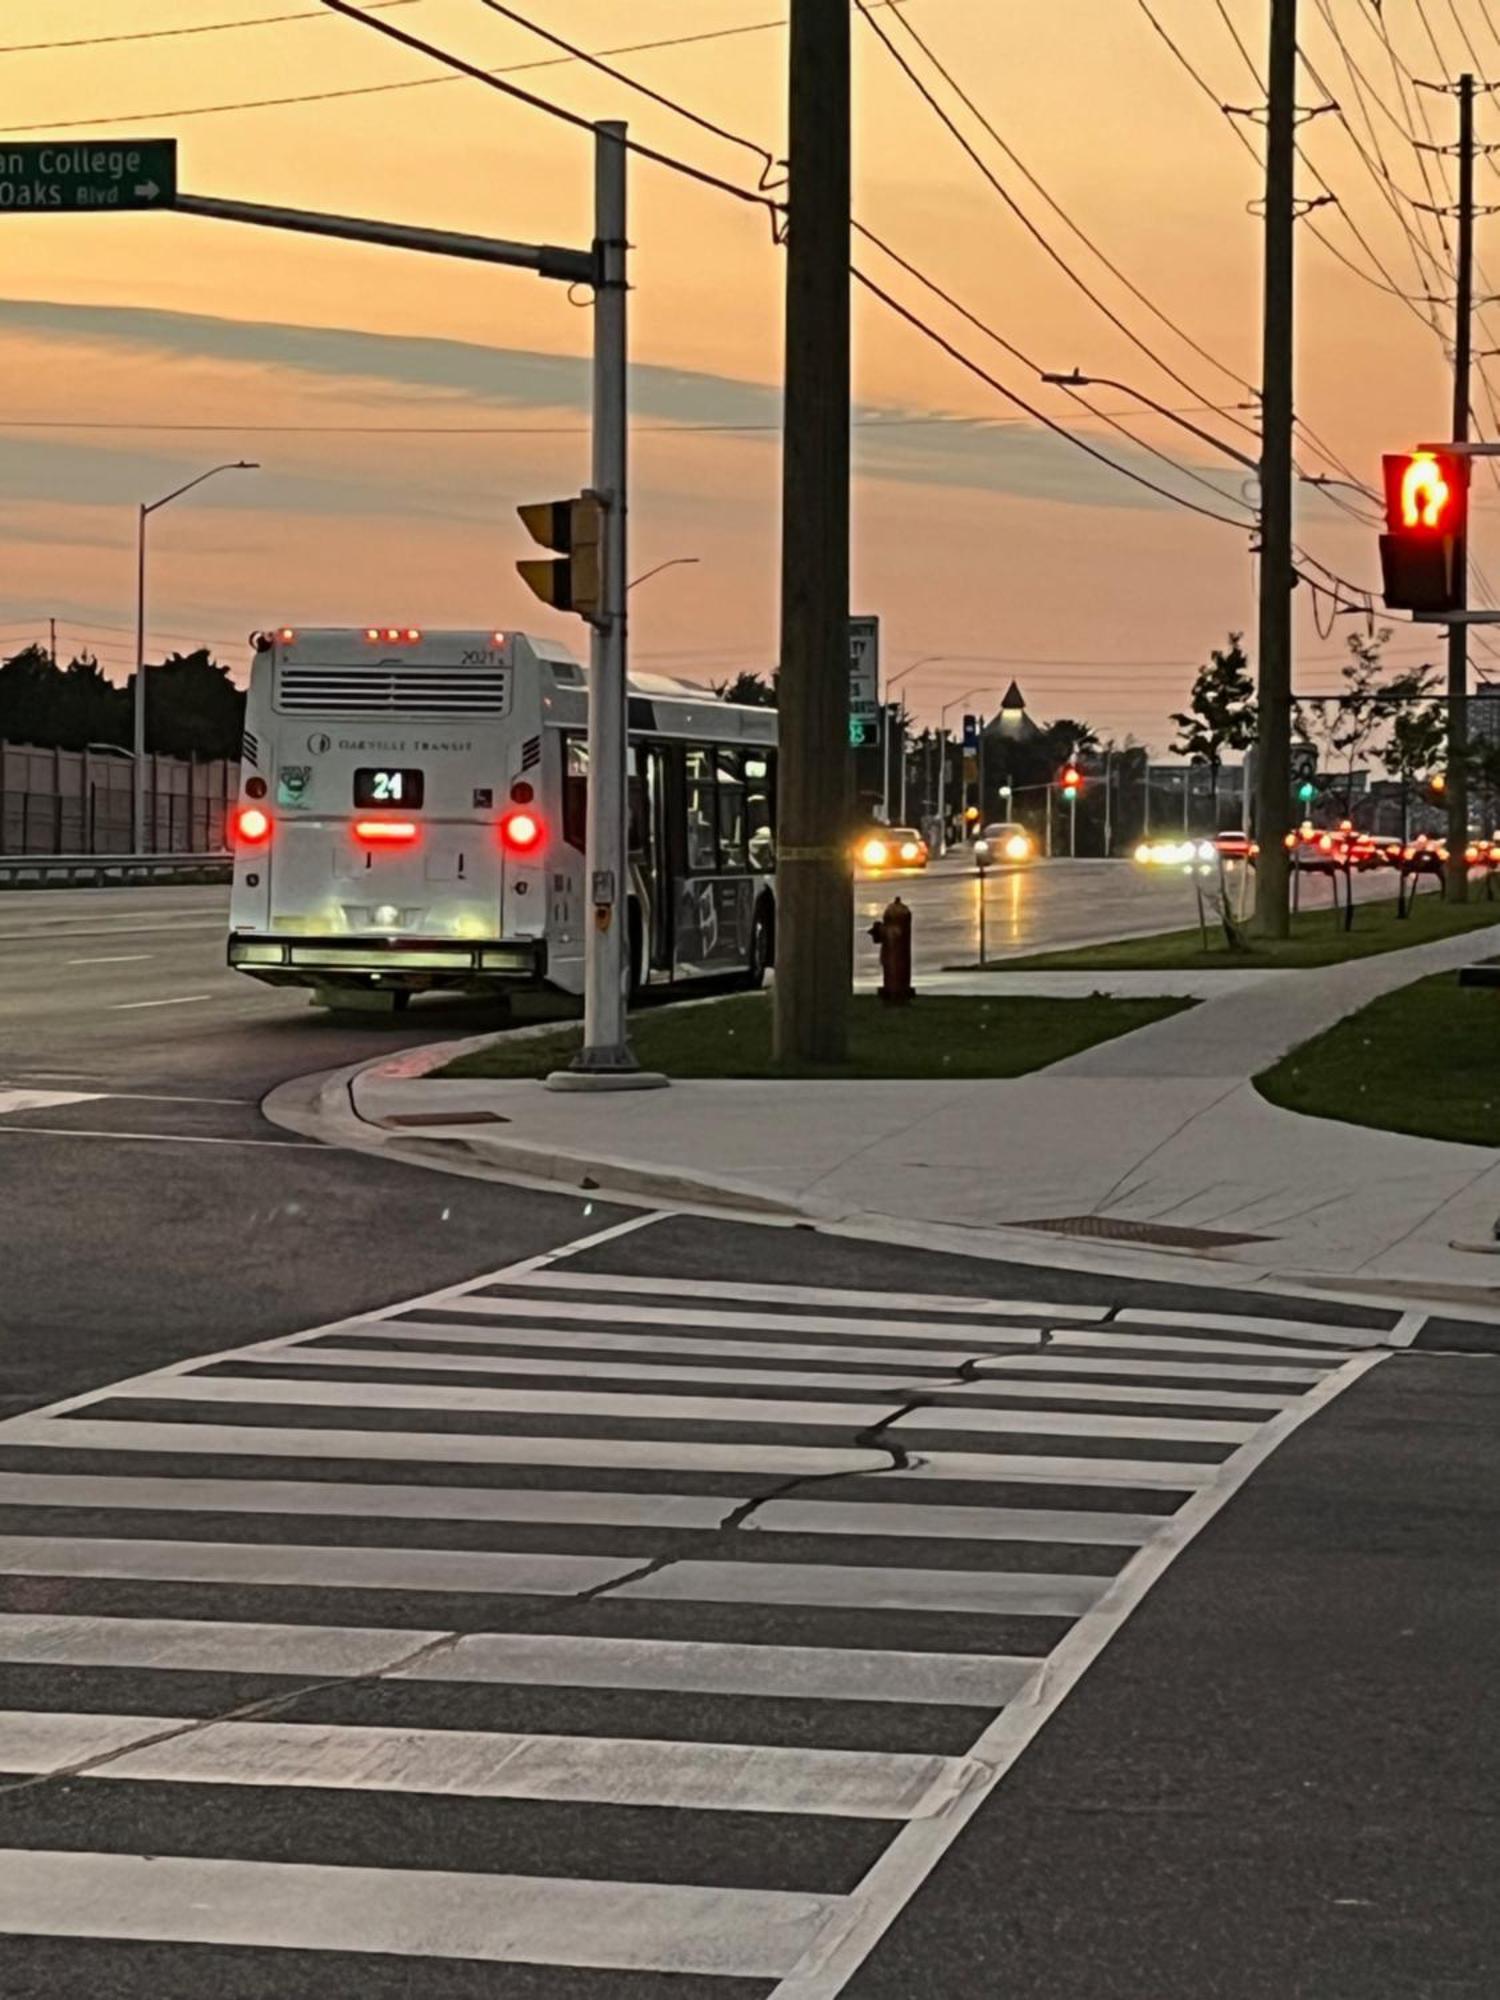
[1012, 722]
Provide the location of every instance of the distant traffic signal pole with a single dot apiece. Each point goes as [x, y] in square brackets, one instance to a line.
[815, 899]
[1273, 745]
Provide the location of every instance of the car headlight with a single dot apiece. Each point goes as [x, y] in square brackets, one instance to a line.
[1207, 851]
[981, 850]
[1017, 847]
[1143, 853]
[873, 853]
[909, 850]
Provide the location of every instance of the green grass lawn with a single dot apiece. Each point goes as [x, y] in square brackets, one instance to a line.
[1424, 1059]
[1315, 940]
[947, 1036]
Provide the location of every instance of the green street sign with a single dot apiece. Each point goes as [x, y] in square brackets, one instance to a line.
[86, 176]
[864, 732]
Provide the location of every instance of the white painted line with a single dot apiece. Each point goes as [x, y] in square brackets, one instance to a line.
[521, 1273]
[618, 1454]
[43, 1100]
[550, 1311]
[177, 1000]
[569, 1340]
[1064, 1365]
[564, 1367]
[1173, 1343]
[937, 1523]
[117, 958]
[142, 1139]
[307, 1567]
[192, 1645]
[1335, 1337]
[806, 1673]
[574, 1403]
[1406, 1329]
[1115, 1392]
[805, 1295]
[333, 1497]
[475, 1764]
[497, 1919]
[991, 1593]
[841, 1947]
[1075, 1423]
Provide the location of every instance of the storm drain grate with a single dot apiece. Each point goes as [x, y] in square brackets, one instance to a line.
[1120, 1229]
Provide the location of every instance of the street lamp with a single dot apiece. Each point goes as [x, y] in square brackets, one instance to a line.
[671, 563]
[138, 775]
[1074, 380]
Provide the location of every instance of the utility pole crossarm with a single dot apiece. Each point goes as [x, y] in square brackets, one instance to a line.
[548, 260]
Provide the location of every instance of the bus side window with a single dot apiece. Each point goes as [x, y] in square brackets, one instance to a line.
[702, 849]
[639, 820]
[760, 810]
[575, 791]
[731, 794]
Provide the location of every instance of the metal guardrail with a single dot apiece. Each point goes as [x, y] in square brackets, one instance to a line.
[35, 871]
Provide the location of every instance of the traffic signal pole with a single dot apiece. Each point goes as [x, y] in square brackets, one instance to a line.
[1273, 745]
[814, 886]
[1456, 874]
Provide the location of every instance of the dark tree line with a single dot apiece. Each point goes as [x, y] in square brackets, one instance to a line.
[195, 710]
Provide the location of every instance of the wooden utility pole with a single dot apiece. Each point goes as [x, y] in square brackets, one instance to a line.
[815, 901]
[1273, 737]
[1456, 875]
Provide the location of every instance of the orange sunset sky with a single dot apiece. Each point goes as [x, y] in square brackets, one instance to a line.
[137, 350]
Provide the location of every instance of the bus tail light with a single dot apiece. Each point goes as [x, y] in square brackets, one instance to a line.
[386, 832]
[252, 826]
[522, 832]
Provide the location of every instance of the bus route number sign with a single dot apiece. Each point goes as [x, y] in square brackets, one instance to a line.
[86, 176]
[864, 683]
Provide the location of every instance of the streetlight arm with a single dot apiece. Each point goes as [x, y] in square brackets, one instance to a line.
[671, 563]
[233, 465]
[1075, 380]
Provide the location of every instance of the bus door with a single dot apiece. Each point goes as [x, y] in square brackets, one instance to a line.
[650, 847]
[716, 892]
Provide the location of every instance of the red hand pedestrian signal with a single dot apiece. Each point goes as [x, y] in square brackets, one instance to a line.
[1422, 550]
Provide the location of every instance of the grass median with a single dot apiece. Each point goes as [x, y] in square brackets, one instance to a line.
[1317, 938]
[945, 1036]
[1423, 1060]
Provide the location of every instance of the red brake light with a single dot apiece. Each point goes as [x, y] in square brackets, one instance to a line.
[522, 832]
[385, 832]
[252, 826]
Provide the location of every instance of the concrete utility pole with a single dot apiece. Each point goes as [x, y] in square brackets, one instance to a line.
[815, 903]
[1456, 875]
[1273, 739]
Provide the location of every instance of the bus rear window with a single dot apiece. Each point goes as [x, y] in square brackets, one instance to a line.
[384, 787]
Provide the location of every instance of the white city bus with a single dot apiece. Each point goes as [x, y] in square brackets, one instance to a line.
[412, 809]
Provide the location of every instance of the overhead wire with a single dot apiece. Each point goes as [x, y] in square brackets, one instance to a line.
[194, 28]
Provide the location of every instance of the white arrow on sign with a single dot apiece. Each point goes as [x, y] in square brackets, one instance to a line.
[149, 189]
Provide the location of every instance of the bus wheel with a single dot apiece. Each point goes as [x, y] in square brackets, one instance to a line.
[761, 948]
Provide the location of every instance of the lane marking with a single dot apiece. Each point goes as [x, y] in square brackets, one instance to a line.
[43, 1100]
[809, 1295]
[618, 1454]
[499, 1919]
[1280, 1329]
[147, 1139]
[976, 1524]
[1076, 1423]
[739, 1322]
[521, 1659]
[1406, 1329]
[479, 1764]
[837, 1952]
[116, 958]
[989, 1593]
[304, 1564]
[177, 1000]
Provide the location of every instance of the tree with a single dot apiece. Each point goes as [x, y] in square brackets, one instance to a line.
[750, 690]
[1419, 731]
[1220, 714]
[59, 708]
[195, 709]
[1346, 727]
[1066, 740]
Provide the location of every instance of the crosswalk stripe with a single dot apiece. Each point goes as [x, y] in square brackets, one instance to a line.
[567, 1339]
[504, 1919]
[476, 1764]
[1192, 1369]
[991, 1383]
[306, 1565]
[500, 1309]
[576, 1403]
[800, 1295]
[617, 1454]
[995, 1593]
[1126, 1342]
[1337, 1337]
[979, 1524]
[521, 1659]
[339, 1497]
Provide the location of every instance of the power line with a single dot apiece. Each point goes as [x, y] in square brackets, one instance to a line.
[167, 34]
[1025, 220]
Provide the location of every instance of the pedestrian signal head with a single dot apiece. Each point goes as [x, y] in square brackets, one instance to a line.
[1426, 518]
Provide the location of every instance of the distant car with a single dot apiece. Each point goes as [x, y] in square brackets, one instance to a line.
[1005, 841]
[891, 847]
[1234, 844]
[1177, 854]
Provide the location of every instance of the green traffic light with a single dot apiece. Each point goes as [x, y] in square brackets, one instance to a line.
[1306, 792]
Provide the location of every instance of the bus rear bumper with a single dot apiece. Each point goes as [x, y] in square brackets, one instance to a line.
[393, 964]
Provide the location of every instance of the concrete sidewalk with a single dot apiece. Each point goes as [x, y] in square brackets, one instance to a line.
[1161, 1127]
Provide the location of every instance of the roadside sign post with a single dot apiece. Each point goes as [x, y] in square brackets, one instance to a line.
[864, 683]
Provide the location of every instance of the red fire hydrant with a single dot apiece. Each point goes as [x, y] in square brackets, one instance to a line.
[892, 932]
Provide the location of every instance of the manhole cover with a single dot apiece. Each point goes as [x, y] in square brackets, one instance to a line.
[1120, 1229]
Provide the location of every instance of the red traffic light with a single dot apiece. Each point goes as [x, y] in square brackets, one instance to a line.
[1426, 517]
[1070, 781]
